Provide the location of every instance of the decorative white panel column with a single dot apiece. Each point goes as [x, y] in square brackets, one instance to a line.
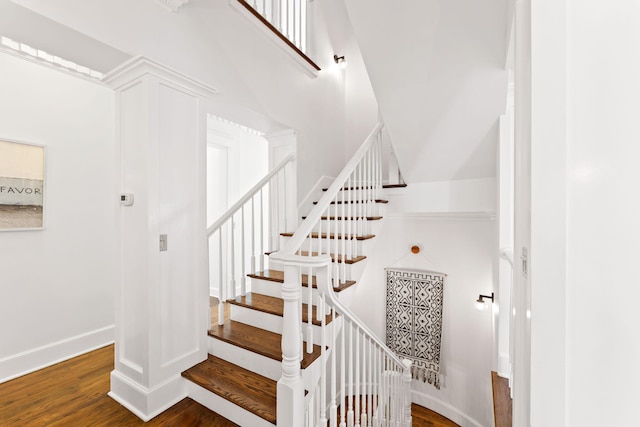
[162, 298]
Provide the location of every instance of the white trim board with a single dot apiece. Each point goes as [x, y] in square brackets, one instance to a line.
[444, 409]
[441, 216]
[28, 361]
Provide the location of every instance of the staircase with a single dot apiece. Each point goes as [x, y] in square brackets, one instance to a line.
[290, 353]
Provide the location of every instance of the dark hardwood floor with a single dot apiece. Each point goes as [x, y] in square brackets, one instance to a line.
[74, 393]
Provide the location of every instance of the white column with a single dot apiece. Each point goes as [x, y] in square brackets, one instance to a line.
[162, 297]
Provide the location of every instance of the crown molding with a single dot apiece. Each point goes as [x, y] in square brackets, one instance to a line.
[172, 5]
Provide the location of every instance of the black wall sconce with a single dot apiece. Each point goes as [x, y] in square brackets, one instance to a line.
[480, 302]
[342, 63]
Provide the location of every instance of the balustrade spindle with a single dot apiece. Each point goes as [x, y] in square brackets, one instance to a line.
[333, 414]
[350, 413]
[253, 234]
[232, 282]
[309, 312]
[220, 282]
[261, 231]
[343, 367]
[357, 381]
[243, 279]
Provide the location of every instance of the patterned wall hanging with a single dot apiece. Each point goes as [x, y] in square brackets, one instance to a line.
[414, 320]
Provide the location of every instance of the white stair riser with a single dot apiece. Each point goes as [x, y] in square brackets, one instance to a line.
[350, 271]
[262, 365]
[359, 247]
[222, 406]
[274, 289]
[355, 227]
[255, 362]
[269, 322]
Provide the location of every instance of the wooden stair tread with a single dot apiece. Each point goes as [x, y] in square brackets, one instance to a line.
[339, 202]
[365, 188]
[257, 340]
[350, 218]
[275, 306]
[315, 235]
[250, 391]
[353, 260]
[277, 276]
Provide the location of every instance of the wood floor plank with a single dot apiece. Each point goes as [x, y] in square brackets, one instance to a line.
[423, 417]
[74, 393]
[258, 340]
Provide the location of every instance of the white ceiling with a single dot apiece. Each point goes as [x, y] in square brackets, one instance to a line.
[437, 69]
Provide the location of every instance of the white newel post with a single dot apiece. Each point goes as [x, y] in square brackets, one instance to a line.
[162, 298]
[406, 380]
[290, 409]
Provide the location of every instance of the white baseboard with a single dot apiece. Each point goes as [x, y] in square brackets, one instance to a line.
[442, 408]
[146, 403]
[23, 363]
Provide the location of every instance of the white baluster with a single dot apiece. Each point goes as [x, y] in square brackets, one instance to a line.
[261, 254]
[232, 253]
[243, 271]
[253, 235]
[323, 365]
[343, 400]
[406, 377]
[350, 413]
[333, 409]
[220, 283]
[363, 383]
[343, 249]
[309, 312]
[357, 381]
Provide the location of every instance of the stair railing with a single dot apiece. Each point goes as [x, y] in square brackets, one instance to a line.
[241, 238]
[288, 17]
[359, 373]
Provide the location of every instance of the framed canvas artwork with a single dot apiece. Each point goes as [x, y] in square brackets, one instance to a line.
[21, 186]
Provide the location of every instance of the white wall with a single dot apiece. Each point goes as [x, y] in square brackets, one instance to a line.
[247, 163]
[463, 244]
[57, 284]
[592, 126]
[214, 44]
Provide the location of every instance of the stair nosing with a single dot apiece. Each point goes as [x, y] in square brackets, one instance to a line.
[305, 310]
[249, 404]
[333, 236]
[305, 284]
[307, 360]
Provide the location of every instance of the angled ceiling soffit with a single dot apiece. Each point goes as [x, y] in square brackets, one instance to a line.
[172, 5]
